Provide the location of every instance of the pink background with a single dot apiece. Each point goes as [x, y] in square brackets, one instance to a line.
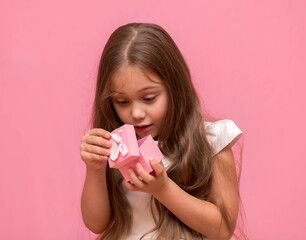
[248, 61]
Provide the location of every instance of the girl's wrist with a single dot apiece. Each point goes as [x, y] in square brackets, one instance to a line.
[95, 176]
[163, 191]
[96, 171]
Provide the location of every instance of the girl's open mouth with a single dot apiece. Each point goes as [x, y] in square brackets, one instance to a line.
[143, 128]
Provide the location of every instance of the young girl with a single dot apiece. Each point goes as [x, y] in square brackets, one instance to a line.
[143, 80]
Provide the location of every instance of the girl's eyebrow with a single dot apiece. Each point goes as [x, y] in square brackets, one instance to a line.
[147, 88]
[140, 90]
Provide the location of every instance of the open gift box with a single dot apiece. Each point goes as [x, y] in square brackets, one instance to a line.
[126, 151]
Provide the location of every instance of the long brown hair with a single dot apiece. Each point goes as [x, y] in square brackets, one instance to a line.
[182, 138]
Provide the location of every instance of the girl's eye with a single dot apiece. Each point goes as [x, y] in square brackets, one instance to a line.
[149, 99]
[121, 101]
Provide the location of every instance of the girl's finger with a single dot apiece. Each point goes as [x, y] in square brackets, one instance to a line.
[86, 156]
[158, 168]
[98, 141]
[129, 186]
[136, 181]
[99, 132]
[146, 177]
[95, 149]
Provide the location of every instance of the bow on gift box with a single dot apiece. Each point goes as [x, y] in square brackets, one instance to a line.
[117, 146]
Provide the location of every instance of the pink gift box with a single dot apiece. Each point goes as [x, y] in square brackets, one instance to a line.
[147, 148]
[127, 142]
[137, 152]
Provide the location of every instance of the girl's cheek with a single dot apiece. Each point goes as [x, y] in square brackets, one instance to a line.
[160, 112]
[123, 115]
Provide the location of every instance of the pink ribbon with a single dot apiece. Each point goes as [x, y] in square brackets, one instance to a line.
[117, 146]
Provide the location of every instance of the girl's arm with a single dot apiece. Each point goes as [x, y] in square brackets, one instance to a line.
[202, 216]
[95, 204]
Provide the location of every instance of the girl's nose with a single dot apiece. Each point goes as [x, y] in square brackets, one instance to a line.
[138, 112]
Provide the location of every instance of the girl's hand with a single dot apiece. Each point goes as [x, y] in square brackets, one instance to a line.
[150, 183]
[95, 148]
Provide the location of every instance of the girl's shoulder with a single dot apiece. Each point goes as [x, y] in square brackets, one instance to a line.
[222, 133]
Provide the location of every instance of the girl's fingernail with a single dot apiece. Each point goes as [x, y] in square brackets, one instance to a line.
[138, 165]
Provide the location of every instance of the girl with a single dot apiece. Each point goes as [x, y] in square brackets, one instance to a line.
[143, 80]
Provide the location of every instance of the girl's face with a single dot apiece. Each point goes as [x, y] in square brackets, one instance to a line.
[139, 99]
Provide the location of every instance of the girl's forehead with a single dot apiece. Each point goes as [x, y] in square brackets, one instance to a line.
[133, 76]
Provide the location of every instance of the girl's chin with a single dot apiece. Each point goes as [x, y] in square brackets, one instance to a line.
[142, 135]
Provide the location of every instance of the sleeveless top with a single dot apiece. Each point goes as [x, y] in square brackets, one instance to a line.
[219, 134]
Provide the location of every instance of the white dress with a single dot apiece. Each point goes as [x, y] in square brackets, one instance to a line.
[219, 134]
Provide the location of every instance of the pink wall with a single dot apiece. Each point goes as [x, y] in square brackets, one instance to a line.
[248, 60]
